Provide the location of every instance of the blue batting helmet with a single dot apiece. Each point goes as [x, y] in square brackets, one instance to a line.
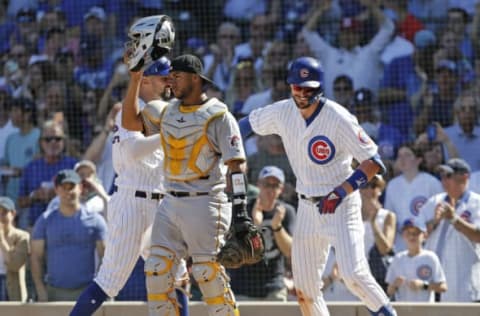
[305, 72]
[161, 67]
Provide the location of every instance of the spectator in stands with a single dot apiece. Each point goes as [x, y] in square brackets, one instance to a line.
[244, 84]
[453, 222]
[6, 125]
[437, 135]
[14, 252]
[93, 196]
[405, 80]
[272, 152]
[436, 103]
[93, 71]
[218, 63]
[343, 91]
[407, 192]
[415, 274]
[387, 137]
[21, 147]
[361, 63]
[465, 133]
[55, 40]
[258, 40]
[36, 183]
[264, 280]
[450, 49]
[433, 156]
[276, 90]
[431, 13]
[20, 55]
[457, 21]
[27, 31]
[95, 24]
[380, 228]
[66, 237]
[407, 24]
[33, 85]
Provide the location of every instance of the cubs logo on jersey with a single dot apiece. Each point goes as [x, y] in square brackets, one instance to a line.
[363, 137]
[321, 149]
[416, 203]
[466, 216]
[424, 272]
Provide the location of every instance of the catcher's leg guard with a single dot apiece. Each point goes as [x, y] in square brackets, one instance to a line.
[160, 269]
[215, 287]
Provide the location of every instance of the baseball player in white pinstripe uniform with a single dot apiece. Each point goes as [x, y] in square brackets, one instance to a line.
[321, 139]
[138, 163]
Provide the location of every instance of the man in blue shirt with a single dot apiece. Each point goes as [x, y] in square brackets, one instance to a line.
[63, 238]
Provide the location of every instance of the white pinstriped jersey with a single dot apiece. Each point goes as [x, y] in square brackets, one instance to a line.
[321, 153]
[145, 174]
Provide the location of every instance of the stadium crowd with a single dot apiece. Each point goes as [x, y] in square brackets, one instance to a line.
[408, 70]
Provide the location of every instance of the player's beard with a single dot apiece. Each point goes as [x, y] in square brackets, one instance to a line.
[302, 106]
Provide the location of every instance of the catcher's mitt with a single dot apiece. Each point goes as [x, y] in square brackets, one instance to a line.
[244, 245]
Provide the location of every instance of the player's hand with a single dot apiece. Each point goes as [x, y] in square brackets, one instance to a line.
[328, 204]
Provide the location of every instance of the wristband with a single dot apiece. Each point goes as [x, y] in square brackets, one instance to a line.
[357, 179]
[276, 230]
[426, 285]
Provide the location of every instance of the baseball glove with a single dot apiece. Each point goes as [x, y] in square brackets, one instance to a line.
[244, 246]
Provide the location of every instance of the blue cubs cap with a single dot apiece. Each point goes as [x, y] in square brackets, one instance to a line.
[455, 165]
[272, 171]
[446, 64]
[160, 67]
[67, 176]
[424, 39]
[414, 222]
[7, 203]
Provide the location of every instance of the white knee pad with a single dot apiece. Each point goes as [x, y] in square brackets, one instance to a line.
[160, 269]
[215, 287]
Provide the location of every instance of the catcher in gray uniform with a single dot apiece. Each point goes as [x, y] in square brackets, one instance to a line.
[202, 145]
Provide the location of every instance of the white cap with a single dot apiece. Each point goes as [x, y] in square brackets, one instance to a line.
[95, 12]
[272, 171]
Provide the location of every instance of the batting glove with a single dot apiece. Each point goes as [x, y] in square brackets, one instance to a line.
[328, 204]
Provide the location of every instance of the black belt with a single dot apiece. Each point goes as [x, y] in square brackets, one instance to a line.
[313, 199]
[144, 195]
[186, 194]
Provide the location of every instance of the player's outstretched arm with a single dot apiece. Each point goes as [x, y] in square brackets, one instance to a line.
[131, 118]
[364, 173]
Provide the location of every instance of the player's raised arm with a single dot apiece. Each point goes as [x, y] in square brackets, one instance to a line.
[131, 118]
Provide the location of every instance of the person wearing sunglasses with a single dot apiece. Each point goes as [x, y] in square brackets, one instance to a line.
[264, 281]
[321, 138]
[36, 184]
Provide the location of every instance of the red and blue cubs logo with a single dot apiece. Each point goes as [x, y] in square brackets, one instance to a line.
[416, 203]
[321, 149]
[424, 272]
[363, 137]
[466, 216]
